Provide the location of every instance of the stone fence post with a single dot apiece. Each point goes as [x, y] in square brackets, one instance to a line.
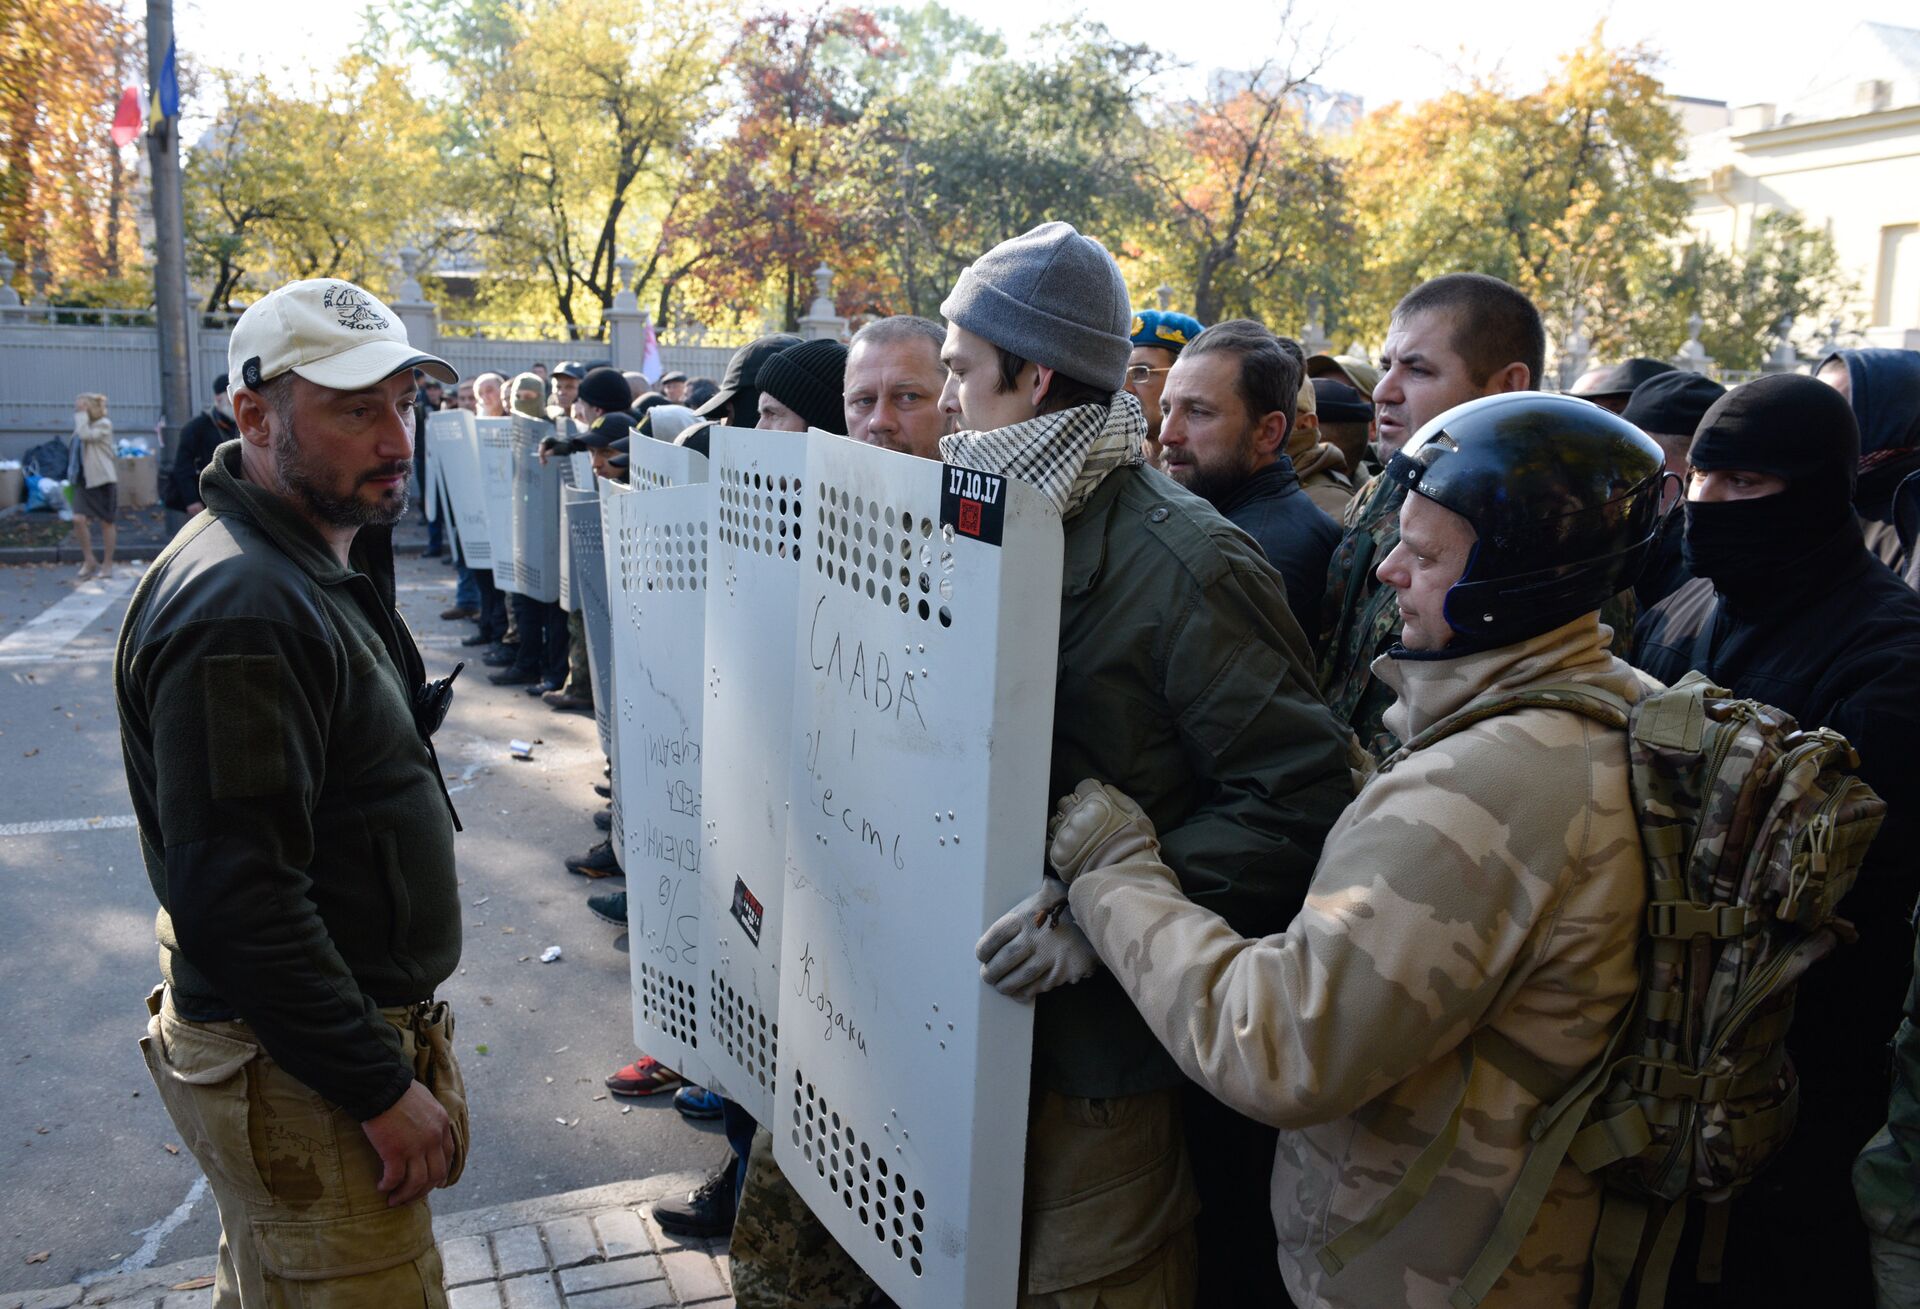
[821, 322]
[626, 323]
[420, 318]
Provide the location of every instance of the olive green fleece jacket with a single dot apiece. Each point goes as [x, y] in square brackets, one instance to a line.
[1183, 672]
[292, 818]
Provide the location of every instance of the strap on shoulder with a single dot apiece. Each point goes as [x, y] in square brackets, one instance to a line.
[1602, 706]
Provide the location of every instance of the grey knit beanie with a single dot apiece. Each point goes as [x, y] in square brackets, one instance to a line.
[1052, 296]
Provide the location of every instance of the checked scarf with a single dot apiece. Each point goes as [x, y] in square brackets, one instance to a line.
[1064, 456]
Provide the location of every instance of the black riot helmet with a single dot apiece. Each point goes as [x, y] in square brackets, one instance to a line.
[1563, 495]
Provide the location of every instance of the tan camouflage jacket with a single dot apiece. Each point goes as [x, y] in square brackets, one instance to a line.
[1492, 879]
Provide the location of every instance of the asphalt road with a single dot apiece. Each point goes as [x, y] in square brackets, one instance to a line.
[88, 1175]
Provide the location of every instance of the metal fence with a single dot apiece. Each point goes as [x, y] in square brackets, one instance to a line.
[45, 362]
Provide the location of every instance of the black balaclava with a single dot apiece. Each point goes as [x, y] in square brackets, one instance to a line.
[1794, 427]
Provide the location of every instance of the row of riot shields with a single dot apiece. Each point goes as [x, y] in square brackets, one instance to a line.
[825, 672]
[505, 503]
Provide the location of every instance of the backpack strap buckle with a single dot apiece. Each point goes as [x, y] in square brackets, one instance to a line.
[1683, 920]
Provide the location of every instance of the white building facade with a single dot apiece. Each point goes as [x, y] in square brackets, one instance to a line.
[1844, 155]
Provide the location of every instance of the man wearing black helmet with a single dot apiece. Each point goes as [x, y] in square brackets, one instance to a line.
[1441, 903]
[1789, 606]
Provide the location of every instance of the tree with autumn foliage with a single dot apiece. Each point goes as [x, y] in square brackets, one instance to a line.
[569, 125]
[775, 196]
[285, 186]
[1566, 191]
[68, 196]
[1252, 219]
[967, 148]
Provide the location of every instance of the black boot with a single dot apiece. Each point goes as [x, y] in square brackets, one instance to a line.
[600, 861]
[708, 1211]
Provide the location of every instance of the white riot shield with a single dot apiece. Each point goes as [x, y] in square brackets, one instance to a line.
[588, 571]
[602, 593]
[576, 473]
[494, 442]
[536, 513]
[453, 448]
[928, 634]
[658, 575]
[652, 464]
[758, 549]
[569, 584]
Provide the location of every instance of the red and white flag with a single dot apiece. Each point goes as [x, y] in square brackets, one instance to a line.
[126, 119]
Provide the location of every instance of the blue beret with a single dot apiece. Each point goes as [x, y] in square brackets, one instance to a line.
[1164, 330]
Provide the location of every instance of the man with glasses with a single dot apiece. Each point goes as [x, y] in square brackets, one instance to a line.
[1158, 337]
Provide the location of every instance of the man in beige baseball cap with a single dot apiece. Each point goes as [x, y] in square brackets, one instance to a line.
[277, 723]
[322, 370]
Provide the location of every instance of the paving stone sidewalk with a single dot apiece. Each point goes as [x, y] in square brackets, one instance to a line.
[592, 1249]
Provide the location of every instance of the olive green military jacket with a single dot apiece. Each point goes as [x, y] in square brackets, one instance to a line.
[1493, 879]
[1185, 681]
[292, 817]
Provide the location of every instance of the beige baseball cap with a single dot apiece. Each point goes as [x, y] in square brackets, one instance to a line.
[330, 332]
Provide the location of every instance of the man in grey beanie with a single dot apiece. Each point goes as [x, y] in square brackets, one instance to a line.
[1182, 668]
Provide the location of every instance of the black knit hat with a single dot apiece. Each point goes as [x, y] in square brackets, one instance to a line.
[810, 379]
[605, 388]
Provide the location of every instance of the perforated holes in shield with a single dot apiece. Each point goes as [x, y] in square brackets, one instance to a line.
[675, 556]
[760, 512]
[886, 553]
[874, 1192]
[751, 1041]
[667, 1003]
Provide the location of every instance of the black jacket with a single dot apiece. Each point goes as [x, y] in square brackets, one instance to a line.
[1838, 646]
[198, 440]
[1291, 530]
[292, 817]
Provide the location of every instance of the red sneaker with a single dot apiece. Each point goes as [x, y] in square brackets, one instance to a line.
[644, 1076]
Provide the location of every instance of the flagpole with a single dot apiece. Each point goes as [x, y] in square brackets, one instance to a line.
[169, 233]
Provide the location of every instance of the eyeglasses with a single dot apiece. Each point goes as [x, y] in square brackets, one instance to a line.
[1138, 374]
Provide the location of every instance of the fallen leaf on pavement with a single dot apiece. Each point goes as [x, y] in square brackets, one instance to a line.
[193, 1284]
[170, 1149]
[31, 753]
[39, 1256]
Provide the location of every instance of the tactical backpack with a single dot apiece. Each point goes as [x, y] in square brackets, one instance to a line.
[1752, 830]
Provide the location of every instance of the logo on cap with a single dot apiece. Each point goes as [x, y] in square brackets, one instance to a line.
[354, 308]
[250, 372]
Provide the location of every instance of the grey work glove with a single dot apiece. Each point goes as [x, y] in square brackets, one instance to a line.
[1036, 946]
[1096, 827]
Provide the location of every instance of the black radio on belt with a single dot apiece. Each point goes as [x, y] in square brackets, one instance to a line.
[431, 700]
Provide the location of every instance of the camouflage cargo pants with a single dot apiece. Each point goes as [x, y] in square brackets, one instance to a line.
[579, 678]
[302, 1222]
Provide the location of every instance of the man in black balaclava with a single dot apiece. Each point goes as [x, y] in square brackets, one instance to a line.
[1787, 606]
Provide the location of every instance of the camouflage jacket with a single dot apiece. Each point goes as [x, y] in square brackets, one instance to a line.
[1493, 879]
[1360, 616]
